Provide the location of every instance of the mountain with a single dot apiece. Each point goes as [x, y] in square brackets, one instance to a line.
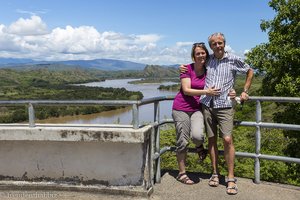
[14, 61]
[102, 64]
[106, 64]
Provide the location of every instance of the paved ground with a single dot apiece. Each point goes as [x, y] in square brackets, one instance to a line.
[170, 189]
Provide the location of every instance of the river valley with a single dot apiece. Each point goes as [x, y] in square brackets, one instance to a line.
[124, 115]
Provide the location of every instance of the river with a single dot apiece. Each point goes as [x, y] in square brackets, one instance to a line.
[124, 115]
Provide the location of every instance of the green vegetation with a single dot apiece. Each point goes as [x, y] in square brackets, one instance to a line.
[54, 82]
[173, 87]
[273, 143]
[157, 74]
[153, 80]
[156, 71]
[49, 84]
[279, 61]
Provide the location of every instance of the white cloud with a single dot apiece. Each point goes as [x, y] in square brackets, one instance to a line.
[246, 51]
[229, 49]
[149, 38]
[184, 44]
[32, 26]
[7, 42]
[29, 38]
[149, 47]
[71, 40]
[32, 12]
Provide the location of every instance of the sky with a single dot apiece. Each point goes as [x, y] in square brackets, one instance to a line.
[157, 32]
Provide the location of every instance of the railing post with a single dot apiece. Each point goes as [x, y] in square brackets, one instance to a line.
[152, 145]
[257, 143]
[31, 115]
[135, 116]
[156, 111]
[157, 141]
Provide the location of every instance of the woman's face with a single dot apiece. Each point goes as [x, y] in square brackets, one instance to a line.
[200, 55]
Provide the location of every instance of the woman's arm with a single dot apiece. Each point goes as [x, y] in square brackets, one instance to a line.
[187, 90]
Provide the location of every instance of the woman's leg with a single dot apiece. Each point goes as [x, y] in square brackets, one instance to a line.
[181, 159]
[182, 125]
[197, 134]
[197, 128]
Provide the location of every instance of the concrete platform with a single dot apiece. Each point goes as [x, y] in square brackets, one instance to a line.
[171, 189]
[168, 189]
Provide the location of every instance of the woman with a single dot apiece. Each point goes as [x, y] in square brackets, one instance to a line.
[186, 111]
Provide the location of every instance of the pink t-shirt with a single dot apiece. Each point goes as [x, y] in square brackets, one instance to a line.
[187, 103]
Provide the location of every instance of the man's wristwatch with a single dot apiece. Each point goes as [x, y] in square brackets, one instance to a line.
[246, 91]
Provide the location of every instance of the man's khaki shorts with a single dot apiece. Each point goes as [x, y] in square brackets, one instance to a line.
[214, 117]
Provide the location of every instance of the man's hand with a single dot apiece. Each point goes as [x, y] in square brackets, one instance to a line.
[244, 96]
[183, 69]
[232, 93]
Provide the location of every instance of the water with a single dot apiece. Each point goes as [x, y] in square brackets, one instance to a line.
[124, 115]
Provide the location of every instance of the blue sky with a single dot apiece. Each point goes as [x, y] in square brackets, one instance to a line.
[144, 31]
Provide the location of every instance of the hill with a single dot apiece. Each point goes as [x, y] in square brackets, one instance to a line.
[100, 64]
[147, 72]
[14, 61]
[106, 64]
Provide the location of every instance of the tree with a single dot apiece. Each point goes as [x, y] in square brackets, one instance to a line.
[279, 61]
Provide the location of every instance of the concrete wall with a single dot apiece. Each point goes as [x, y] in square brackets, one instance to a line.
[88, 155]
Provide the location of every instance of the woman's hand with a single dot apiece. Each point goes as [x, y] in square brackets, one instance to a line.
[212, 91]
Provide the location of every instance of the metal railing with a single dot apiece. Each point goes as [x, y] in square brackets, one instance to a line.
[258, 124]
[156, 151]
[31, 103]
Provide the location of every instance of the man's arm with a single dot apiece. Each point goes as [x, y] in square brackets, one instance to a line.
[249, 76]
[183, 69]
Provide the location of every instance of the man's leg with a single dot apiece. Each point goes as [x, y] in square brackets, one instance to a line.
[225, 117]
[211, 128]
[214, 154]
[229, 154]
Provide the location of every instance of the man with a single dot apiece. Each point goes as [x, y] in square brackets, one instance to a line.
[222, 68]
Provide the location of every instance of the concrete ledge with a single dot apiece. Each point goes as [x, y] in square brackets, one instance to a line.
[107, 156]
[79, 133]
[136, 191]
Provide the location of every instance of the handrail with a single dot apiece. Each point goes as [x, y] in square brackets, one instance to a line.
[156, 151]
[31, 104]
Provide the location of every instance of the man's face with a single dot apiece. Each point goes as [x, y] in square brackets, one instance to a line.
[218, 46]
